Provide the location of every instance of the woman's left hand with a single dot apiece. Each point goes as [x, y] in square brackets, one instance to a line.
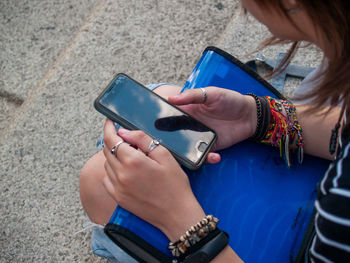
[151, 185]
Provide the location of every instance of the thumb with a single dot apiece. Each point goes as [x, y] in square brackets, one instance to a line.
[213, 158]
[192, 96]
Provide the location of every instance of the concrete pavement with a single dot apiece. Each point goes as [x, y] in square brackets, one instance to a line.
[46, 139]
[55, 59]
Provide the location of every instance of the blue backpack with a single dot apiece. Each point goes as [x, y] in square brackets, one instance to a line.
[265, 207]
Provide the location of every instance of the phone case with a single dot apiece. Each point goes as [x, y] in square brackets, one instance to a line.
[187, 163]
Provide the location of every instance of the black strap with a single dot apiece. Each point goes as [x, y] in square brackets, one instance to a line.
[210, 250]
[135, 246]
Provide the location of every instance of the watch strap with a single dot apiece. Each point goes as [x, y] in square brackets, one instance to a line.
[210, 250]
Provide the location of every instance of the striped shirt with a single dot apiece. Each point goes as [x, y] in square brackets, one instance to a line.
[331, 242]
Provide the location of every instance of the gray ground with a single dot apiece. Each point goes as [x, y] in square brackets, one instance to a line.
[55, 57]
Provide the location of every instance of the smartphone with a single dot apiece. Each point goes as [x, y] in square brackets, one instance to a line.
[135, 107]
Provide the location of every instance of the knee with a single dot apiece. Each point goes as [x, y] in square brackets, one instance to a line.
[86, 173]
[97, 203]
[88, 176]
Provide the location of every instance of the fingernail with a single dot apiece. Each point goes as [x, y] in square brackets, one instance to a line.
[123, 131]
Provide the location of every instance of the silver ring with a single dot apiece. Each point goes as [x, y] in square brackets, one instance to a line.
[153, 144]
[204, 95]
[115, 148]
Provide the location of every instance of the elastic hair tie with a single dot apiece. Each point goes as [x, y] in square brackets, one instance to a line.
[263, 117]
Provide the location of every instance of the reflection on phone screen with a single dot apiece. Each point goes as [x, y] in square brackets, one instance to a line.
[143, 109]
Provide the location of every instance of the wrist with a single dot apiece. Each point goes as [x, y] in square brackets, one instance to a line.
[203, 241]
[251, 115]
[180, 220]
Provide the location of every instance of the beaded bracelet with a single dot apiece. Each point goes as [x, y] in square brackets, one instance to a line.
[193, 236]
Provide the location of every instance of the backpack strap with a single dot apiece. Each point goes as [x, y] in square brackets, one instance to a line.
[278, 82]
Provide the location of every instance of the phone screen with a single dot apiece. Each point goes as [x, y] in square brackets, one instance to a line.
[140, 108]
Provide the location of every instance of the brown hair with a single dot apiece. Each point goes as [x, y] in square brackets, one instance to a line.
[332, 19]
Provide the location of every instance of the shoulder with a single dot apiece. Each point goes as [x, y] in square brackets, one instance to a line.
[332, 224]
[338, 174]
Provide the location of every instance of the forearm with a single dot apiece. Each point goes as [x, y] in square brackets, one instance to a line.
[317, 129]
[227, 256]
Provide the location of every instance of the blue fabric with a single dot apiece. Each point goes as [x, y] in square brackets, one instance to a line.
[243, 242]
[250, 190]
[278, 82]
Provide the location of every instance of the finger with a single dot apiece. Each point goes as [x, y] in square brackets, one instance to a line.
[111, 173]
[143, 141]
[110, 137]
[213, 158]
[192, 96]
[112, 165]
[167, 91]
[118, 143]
[109, 186]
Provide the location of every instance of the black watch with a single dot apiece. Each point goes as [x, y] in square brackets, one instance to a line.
[210, 250]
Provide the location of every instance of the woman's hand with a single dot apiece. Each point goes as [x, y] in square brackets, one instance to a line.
[231, 114]
[151, 185]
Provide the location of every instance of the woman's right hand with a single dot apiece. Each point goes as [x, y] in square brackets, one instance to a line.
[232, 115]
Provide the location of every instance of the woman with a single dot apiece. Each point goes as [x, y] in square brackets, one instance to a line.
[161, 194]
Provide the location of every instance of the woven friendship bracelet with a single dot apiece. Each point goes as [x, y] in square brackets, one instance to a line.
[193, 236]
[295, 128]
[283, 131]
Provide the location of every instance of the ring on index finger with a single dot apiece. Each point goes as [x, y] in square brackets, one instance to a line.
[153, 144]
[205, 96]
[115, 148]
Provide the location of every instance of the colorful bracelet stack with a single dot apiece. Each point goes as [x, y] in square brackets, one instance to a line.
[193, 236]
[277, 129]
[284, 131]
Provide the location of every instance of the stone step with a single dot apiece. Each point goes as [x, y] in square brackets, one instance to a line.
[51, 135]
[32, 36]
